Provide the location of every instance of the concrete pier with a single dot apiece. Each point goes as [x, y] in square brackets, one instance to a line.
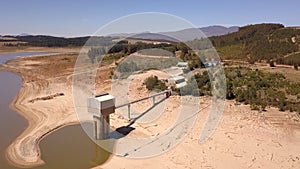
[101, 106]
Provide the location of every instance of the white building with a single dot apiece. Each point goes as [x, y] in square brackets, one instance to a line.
[177, 81]
[182, 65]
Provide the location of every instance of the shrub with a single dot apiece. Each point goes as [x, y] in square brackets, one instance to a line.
[153, 82]
[272, 63]
[196, 92]
[251, 61]
[254, 107]
[296, 66]
[185, 91]
[127, 67]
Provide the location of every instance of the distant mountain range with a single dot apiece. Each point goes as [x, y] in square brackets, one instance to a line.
[153, 36]
[218, 30]
[24, 34]
[256, 42]
[194, 33]
[182, 35]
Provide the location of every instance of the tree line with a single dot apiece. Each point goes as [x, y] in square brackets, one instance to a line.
[51, 41]
[124, 48]
[254, 87]
[260, 42]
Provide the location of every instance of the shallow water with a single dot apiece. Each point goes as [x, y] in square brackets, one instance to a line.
[67, 148]
[9, 56]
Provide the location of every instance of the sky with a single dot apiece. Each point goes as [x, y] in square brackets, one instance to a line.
[70, 18]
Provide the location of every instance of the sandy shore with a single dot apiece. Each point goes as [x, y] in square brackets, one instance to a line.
[40, 103]
[45, 100]
[244, 138]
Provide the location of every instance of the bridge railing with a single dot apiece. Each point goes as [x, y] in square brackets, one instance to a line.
[166, 92]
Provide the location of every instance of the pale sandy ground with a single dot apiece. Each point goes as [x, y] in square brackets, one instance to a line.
[243, 139]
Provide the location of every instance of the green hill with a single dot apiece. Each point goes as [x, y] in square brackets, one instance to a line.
[258, 42]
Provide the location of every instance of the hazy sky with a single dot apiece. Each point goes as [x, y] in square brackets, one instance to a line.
[84, 17]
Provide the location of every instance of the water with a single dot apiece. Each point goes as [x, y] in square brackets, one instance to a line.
[11, 123]
[9, 56]
[67, 148]
[71, 148]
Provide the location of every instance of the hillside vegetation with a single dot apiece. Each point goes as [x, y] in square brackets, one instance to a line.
[254, 87]
[51, 41]
[258, 42]
[124, 48]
